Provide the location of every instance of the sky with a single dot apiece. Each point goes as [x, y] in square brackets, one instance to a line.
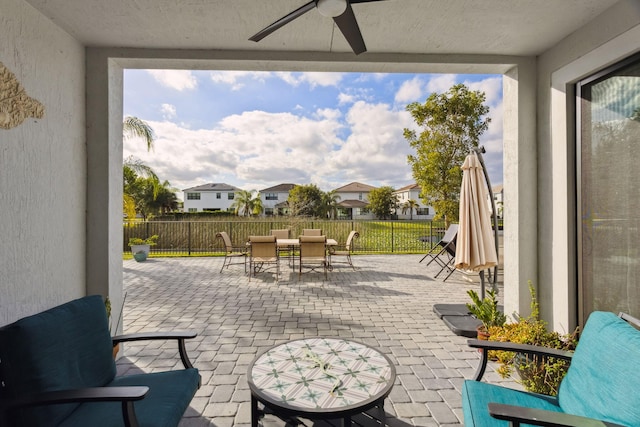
[255, 130]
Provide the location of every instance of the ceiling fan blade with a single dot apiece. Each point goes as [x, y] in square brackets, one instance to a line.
[283, 21]
[349, 27]
[363, 1]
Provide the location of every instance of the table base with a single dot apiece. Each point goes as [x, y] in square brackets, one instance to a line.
[291, 419]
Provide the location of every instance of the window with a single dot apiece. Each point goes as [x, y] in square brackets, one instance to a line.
[608, 226]
[360, 196]
[218, 196]
[422, 211]
[271, 196]
[268, 211]
[230, 196]
[193, 196]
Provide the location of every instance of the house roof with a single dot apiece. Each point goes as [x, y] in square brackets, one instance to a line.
[352, 204]
[221, 186]
[413, 186]
[355, 187]
[414, 27]
[280, 188]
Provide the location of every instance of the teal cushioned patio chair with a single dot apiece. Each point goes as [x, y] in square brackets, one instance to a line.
[57, 369]
[599, 390]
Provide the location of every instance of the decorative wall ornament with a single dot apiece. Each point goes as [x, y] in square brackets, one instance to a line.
[15, 105]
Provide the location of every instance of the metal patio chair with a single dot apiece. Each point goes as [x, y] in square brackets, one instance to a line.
[344, 250]
[264, 251]
[232, 255]
[444, 252]
[313, 254]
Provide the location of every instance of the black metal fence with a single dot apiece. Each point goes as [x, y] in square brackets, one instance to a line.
[198, 238]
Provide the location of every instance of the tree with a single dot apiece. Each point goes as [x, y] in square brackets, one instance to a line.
[382, 202]
[452, 123]
[135, 127]
[330, 201]
[410, 205]
[245, 204]
[305, 200]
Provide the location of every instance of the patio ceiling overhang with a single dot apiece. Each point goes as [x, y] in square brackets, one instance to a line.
[412, 27]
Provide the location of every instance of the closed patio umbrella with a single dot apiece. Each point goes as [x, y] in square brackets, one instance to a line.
[475, 245]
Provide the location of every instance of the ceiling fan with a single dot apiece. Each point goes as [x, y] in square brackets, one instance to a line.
[339, 10]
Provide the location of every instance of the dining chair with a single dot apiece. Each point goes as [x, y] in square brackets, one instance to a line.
[283, 233]
[312, 232]
[264, 250]
[313, 253]
[232, 254]
[344, 250]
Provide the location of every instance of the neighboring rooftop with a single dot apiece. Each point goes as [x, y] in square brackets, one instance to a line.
[218, 186]
[355, 187]
[280, 188]
[413, 186]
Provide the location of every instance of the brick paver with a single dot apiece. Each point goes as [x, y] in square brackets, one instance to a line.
[386, 303]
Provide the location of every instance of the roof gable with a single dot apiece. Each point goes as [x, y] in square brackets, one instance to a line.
[280, 188]
[355, 187]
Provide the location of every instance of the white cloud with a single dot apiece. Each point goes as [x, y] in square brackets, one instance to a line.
[410, 90]
[440, 84]
[234, 78]
[175, 79]
[344, 98]
[313, 79]
[168, 111]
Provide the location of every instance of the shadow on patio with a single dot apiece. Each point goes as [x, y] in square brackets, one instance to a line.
[386, 303]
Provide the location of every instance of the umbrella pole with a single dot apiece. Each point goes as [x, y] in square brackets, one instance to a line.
[494, 216]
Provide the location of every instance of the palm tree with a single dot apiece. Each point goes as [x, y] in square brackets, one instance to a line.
[410, 205]
[330, 201]
[245, 204]
[135, 127]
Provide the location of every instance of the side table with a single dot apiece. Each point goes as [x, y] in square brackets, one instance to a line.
[320, 378]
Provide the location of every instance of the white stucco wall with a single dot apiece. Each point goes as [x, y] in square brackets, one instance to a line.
[42, 168]
[611, 37]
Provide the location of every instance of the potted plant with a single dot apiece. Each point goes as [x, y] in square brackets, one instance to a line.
[486, 311]
[537, 374]
[140, 247]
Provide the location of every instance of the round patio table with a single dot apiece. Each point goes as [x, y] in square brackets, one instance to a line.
[319, 379]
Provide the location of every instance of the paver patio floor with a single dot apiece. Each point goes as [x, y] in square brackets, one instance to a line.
[386, 303]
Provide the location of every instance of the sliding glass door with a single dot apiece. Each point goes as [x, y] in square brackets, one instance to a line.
[608, 166]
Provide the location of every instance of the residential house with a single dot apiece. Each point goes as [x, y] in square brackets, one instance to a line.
[556, 59]
[412, 192]
[353, 202]
[209, 197]
[274, 199]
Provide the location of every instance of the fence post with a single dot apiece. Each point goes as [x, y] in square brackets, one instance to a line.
[189, 238]
[392, 238]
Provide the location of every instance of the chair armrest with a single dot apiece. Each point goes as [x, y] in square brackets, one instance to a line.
[537, 350]
[82, 395]
[143, 336]
[125, 395]
[539, 417]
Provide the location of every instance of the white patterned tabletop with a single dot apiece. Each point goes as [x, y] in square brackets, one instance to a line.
[321, 374]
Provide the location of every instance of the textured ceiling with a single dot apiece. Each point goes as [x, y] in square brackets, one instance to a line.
[495, 27]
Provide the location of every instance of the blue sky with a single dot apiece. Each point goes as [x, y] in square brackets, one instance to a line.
[259, 129]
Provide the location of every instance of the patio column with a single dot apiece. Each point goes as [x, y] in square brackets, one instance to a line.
[520, 185]
[104, 177]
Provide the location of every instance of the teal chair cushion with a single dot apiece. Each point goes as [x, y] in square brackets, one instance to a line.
[603, 379]
[477, 395]
[65, 347]
[168, 398]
